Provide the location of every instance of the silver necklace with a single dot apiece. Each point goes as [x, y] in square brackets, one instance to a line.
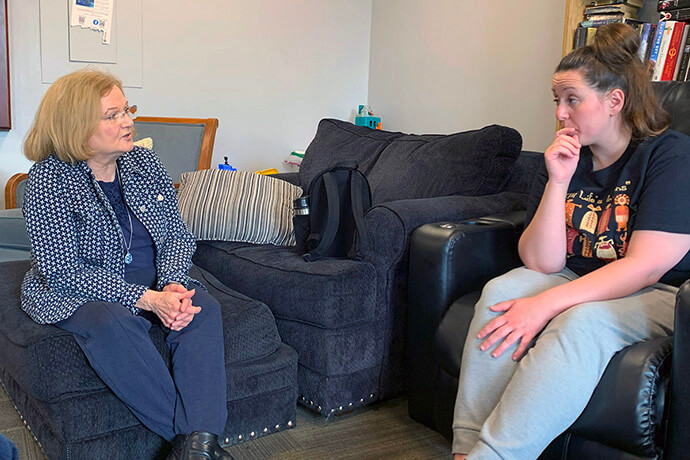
[128, 255]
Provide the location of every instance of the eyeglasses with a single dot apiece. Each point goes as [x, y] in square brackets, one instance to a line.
[118, 116]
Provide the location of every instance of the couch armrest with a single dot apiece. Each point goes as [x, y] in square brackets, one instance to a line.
[678, 440]
[447, 261]
[390, 225]
[631, 392]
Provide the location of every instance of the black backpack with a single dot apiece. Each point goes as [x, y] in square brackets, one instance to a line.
[329, 220]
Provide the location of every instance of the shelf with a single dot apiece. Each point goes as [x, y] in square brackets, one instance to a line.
[574, 14]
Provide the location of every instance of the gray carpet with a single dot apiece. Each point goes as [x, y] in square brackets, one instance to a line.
[379, 431]
[11, 425]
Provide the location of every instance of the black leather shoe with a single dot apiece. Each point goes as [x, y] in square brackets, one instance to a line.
[200, 445]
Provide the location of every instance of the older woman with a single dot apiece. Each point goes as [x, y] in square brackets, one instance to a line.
[110, 256]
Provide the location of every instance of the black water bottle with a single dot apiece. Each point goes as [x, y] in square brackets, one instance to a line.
[300, 222]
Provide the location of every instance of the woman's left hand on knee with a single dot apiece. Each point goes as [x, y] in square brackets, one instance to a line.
[523, 319]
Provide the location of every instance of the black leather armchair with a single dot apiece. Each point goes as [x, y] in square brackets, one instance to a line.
[641, 407]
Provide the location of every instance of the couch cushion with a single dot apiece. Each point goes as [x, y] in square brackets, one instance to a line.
[47, 362]
[329, 293]
[249, 329]
[337, 140]
[468, 163]
[237, 206]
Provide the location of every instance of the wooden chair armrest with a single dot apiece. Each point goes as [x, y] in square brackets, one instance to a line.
[11, 189]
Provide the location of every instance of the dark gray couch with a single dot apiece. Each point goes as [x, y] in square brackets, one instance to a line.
[75, 416]
[345, 318]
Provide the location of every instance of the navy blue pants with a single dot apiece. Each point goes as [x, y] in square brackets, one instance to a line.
[191, 396]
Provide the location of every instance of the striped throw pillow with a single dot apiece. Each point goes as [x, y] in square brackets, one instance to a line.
[237, 206]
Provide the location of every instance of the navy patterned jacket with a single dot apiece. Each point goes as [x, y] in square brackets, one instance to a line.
[77, 251]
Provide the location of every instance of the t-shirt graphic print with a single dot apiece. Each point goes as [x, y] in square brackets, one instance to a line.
[647, 188]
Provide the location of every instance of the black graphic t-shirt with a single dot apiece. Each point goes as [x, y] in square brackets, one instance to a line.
[647, 188]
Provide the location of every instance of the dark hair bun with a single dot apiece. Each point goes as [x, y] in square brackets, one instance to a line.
[616, 44]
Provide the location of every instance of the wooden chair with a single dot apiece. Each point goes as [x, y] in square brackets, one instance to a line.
[14, 190]
[182, 144]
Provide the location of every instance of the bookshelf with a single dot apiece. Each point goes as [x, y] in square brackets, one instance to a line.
[574, 12]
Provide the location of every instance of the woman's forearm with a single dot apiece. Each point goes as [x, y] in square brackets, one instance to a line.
[602, 284]
[542, 246]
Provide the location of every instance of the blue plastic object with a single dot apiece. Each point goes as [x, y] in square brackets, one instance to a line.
[369, 122]
[365, 117]
[226, 166]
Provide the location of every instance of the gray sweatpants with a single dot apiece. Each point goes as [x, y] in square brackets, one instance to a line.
[513, 410]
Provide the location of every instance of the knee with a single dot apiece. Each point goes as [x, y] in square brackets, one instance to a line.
[210, 308]
[499, 289]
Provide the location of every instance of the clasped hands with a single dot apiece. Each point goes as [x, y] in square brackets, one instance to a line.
[523, 319]
[172, 305]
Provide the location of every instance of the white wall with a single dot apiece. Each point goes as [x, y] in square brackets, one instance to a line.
[443, 66]
[269, 70]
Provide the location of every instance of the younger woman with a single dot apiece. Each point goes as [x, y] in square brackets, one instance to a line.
[607, 221]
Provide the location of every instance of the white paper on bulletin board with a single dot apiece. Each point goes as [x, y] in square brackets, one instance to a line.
[86, 44]
[92, 14]
[57, 46]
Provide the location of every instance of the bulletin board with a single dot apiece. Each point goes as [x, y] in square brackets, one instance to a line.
[5, 116]
[65, 49]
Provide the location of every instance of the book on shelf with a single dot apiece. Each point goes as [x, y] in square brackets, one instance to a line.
[644, 40]
[650, 42]
[681, 47]
[663, 49]
[684, 59]
[580, 37]
[675, 45]
[634, 23]
[598, 22]
[611, 9]
[637, 3]
[665, 5]
[656, 43]
[682, 14]
[604, 17]
[590, 35]
[598, 17]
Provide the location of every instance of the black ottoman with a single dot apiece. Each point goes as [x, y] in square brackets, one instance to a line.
[75, 416]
